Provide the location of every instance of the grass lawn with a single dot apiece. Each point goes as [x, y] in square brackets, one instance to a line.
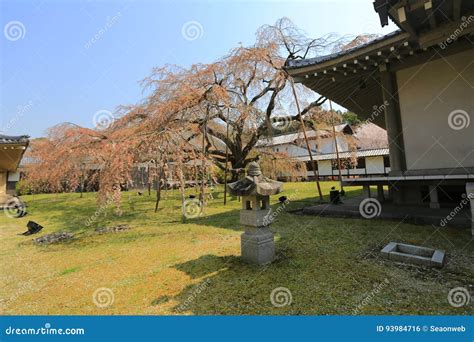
[164, 266]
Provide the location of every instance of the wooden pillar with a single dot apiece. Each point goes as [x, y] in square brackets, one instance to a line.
[366, 191]
[3, 182]
[380, 194]
[393, 121]
[434, 201]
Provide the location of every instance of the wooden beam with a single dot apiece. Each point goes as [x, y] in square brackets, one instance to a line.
[415, 5]
[457, 9]
[401, 15]
[430, 14]
[422, 57]
[444, 32]
[405, 24]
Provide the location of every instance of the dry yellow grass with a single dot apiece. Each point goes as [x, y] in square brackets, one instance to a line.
[165, 266]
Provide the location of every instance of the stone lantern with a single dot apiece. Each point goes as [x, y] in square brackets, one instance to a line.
[257, 243]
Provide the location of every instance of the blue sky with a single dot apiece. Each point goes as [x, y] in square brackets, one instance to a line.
[63, 61]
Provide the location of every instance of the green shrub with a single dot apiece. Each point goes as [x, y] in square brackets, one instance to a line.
[23, 188]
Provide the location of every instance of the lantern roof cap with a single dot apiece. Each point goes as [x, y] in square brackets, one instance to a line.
[255, 183]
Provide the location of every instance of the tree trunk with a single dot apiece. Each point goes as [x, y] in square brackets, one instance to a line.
[236, 171]
[82, 185]
[182, 188]
[158, 189]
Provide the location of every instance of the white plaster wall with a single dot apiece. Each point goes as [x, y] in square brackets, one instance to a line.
[296, 151]
[354, 172]
[325, 167]
[374, 165]
[428, 94]
[290, 149]
[327, 145]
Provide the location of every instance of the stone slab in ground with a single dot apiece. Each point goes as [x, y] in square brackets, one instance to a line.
[114, 229]
[53, 238]
[412, 254]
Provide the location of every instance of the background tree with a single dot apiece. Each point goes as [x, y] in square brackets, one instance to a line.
[62, 160]
[241, 94]
[350, 118]
[193, 115]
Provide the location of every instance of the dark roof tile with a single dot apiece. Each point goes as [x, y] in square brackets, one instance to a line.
[298, 63]
[7, 139]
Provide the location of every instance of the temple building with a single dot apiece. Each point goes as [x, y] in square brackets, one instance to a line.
[11, 152]
[418, 84]
[362, 149]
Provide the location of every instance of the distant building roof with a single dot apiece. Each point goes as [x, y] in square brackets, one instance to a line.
[367, 136]
[8, 139]
[347, 154]
[292, 137]
[370, 136]
[12, 150]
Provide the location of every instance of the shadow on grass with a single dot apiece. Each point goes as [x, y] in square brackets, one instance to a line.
[225, 286]
[318, 284]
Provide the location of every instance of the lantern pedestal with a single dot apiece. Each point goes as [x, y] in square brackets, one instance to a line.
[257, 245]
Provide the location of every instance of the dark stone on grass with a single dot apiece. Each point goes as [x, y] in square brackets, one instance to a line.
[53, 238]
[33, 228]
[118, 228]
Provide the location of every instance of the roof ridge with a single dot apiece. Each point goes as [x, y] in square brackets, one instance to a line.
[318, 59]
